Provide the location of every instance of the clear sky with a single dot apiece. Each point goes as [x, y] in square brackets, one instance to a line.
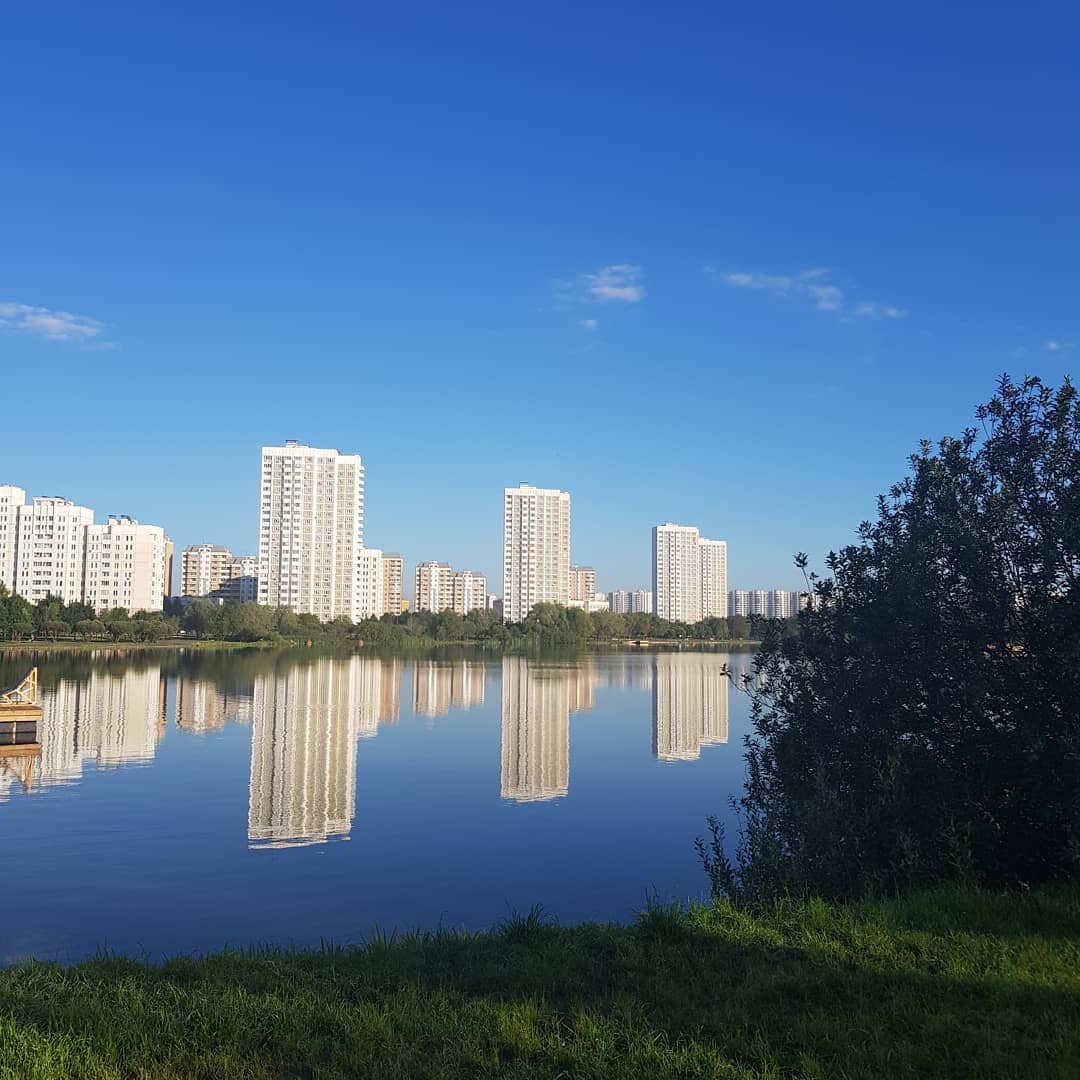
[722, 264]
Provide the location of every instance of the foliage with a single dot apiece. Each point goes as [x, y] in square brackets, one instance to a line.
[952, 982]
[924, 724]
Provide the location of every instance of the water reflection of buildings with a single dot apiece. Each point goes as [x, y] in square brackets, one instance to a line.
[306, 723]
[537, 701]
[105, 719]
[202, 705]
[439, 686]
[690, 704]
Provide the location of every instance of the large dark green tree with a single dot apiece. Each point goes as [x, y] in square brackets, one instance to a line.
[924, 725]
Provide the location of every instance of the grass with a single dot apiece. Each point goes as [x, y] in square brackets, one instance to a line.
[949, 983]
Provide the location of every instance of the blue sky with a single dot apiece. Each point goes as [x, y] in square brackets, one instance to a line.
[717, 264]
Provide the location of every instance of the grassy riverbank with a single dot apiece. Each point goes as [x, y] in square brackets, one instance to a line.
[944, 984]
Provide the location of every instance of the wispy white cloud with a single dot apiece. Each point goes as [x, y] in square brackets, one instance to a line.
[52, 325]
[813, 285]
[619, 283]
[589, 324]
[1058, 346]
[871, 309]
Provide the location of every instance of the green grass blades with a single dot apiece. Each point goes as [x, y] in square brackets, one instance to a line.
[949, 983]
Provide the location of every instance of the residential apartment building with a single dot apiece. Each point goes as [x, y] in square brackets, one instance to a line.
[204, 568]
[242, 584]
[619, 601]
[641, 600]
[689, 574]
[768, 603]
[379, 583]
[311, 531]
[438, 587]
[11, 499]
[582, 585]
[126, 565]
[740, 602]
[393, 583]
[470, 591]
[50, 551]
[714, 590]
[536, 549]
[677, 572]
[433, 586]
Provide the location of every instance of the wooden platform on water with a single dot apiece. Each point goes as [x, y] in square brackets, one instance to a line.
[19, 706]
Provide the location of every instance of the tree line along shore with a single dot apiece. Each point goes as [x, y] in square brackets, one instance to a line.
[52, 622]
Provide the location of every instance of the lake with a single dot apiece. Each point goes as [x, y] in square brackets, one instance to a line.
[184, 801]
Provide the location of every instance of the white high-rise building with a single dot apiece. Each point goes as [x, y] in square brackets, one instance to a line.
[689, 574]
[619, 601]
[470, 591]
[536, 549]
[11, 498]
[311, 530]
[50, 550]
[714, 590]
[433, 586]
[740, 602]
[677, 572]
[641, 600]
[126, 565]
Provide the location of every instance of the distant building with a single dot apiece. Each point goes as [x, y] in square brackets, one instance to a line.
[203, 569]
[242, 584]
[311, 532]
[740, 602]
[393, 583]
[470, 591]
[767, 603]
[438, 587]
[126, 565]
[582, 585]
[619, 601]
[11, 499]
[50, 552]
[433, 586]
[641, 600]
[536, 549]
[714, 590]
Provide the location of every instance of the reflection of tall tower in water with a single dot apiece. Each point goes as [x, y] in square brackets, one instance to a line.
[690, 704]
[439, 686]
[306, 722]
[537, 701]
[109, 719]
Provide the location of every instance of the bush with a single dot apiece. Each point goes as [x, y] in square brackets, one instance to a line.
[924, 725]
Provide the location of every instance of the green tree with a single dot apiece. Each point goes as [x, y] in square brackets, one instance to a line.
[924, 724]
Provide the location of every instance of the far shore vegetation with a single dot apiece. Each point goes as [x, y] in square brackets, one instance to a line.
[52, 623]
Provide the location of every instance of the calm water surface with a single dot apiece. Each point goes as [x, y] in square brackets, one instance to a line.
[185, 801]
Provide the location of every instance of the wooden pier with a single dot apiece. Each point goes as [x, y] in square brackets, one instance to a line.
[19, 715]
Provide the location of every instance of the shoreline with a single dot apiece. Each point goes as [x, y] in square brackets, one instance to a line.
[316, 644]
[902, 988]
